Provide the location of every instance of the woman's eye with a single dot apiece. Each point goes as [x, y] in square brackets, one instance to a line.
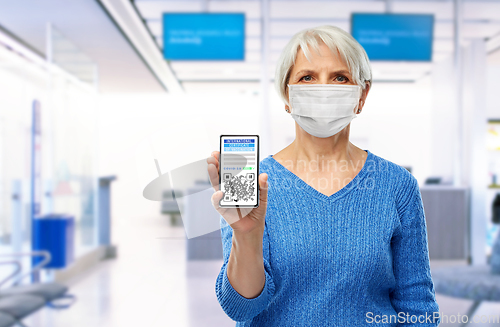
[341, 79]
[307, 78]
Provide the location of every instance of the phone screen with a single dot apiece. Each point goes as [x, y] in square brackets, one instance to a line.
[239, 171]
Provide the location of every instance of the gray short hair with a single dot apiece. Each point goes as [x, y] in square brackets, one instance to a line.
[336, 39]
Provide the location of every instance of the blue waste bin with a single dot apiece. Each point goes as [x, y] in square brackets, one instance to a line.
[55, 233]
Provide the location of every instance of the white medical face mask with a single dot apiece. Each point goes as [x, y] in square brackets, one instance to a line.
[323, 110]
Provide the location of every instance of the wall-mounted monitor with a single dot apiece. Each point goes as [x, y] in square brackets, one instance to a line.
[204, 36]
[394, 37]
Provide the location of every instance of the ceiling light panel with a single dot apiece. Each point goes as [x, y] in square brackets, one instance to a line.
[153, 9]
[481, 10]
[322, 9]
[440, 9]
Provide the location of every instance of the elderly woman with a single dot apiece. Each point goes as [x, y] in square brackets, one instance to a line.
[339, 238]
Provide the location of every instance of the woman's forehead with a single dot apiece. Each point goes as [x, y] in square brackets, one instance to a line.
[325, 58]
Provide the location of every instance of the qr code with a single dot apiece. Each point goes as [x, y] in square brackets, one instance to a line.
[239, 188]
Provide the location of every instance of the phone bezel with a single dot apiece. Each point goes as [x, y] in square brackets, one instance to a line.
[258, 171]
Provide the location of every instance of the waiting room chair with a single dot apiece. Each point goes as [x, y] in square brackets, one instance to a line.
[477, 283]
[19, 301]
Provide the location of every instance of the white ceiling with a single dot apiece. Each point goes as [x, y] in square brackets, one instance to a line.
[481, 20]
[121, 69]
[86, 24]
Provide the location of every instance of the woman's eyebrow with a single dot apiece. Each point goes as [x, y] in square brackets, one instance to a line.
[305, 71]
[308, 71]
[342, 71]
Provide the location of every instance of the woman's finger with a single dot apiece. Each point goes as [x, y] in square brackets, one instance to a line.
[216, 155]
[213, 160]
[263, 187]
[216, 197]
[230, 215]
[213, 174]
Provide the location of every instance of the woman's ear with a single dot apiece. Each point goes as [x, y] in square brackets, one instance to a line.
[287, 107]
[362, 100]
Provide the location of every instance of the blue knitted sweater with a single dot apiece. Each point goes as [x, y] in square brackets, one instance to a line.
[356, 258]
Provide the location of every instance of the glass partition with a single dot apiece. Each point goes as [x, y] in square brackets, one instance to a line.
[64, 86]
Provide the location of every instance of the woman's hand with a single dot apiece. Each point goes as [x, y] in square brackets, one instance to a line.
[242, 220]
[245, 267]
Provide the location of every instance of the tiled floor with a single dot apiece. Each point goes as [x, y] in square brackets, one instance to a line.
[147, 285]
[151, 284]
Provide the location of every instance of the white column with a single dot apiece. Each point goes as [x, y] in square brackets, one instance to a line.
[475, 151]
[265, 132]
[458, 172]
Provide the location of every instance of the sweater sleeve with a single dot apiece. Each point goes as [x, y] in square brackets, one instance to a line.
[237, 307]
[413, 297]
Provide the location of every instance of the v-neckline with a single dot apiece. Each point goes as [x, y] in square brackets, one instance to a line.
[308, 188]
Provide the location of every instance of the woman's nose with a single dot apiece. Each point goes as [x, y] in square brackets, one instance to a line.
[324, 80]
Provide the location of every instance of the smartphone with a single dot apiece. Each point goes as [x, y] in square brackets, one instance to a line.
[239, 171]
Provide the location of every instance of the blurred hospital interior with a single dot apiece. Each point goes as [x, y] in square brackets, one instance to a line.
[100, 98]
